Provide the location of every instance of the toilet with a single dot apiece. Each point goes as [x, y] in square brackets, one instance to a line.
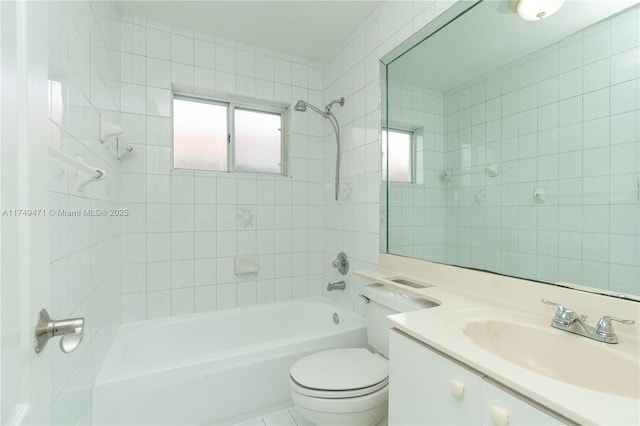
[350, 386]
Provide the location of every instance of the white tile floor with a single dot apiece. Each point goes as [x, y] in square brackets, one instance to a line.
[287, 417]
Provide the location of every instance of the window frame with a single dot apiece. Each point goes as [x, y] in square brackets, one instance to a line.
[412, 153]
[231, 108]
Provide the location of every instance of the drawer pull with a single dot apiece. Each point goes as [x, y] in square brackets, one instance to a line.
[456, 388]
[500, 416]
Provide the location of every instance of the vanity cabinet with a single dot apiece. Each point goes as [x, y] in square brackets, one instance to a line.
[426, 388]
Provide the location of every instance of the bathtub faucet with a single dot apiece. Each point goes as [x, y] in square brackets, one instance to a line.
[340, 285]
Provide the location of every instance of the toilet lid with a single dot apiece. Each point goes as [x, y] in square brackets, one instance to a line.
[340, 370]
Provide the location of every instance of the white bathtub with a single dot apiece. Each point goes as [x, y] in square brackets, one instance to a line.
[215, 368]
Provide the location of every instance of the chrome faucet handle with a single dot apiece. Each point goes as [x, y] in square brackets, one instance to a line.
[549, 302]
[563, 315]
[341, 263]
[605, 327]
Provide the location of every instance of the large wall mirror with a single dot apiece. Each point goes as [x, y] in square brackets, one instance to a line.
[513, 146]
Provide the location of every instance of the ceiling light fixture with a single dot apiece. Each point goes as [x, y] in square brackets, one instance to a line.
[535, 10]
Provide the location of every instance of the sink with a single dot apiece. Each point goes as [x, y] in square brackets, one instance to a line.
[561, 355]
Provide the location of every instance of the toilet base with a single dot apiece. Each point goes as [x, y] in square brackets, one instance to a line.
[367, 410]
[377, 416]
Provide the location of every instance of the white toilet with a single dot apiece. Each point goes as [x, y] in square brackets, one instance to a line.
[350, 386]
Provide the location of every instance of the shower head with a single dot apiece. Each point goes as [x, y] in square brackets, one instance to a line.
[301, 106]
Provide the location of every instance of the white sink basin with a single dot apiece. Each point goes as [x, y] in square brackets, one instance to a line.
[563, 356]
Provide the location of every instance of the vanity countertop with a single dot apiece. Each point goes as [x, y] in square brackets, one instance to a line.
[497, 300]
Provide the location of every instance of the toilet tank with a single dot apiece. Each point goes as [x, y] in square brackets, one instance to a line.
[386, 301]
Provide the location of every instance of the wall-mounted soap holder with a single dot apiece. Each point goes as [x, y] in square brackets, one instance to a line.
[84, 173]
[111, 132]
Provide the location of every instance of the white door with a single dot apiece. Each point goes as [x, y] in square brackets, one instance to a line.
[25, 377]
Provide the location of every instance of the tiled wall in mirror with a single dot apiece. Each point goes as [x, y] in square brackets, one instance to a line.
[526, 148]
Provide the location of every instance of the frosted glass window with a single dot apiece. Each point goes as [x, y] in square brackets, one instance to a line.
[203, 140]
[199, 135]
[258, 141]
[397, 155]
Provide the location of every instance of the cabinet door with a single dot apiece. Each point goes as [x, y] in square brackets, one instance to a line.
[421, 383]
[501, 409]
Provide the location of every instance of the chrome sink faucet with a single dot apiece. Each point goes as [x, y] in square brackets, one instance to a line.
[568, 320]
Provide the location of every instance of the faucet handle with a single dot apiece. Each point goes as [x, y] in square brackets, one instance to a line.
[549, 302]
[605, 327]
[563, 315]
[341, 263]
[561, 309]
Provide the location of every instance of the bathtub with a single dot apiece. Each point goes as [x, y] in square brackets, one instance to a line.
[215, 368]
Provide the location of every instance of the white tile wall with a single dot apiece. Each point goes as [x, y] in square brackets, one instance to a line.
[569, 124]
[84, 65]
[352, 224]
[185, 229]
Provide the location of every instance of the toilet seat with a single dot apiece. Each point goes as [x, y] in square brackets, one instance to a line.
[351, 393]
[339, 373]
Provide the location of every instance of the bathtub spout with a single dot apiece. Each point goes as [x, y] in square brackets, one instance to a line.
[340, 285]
